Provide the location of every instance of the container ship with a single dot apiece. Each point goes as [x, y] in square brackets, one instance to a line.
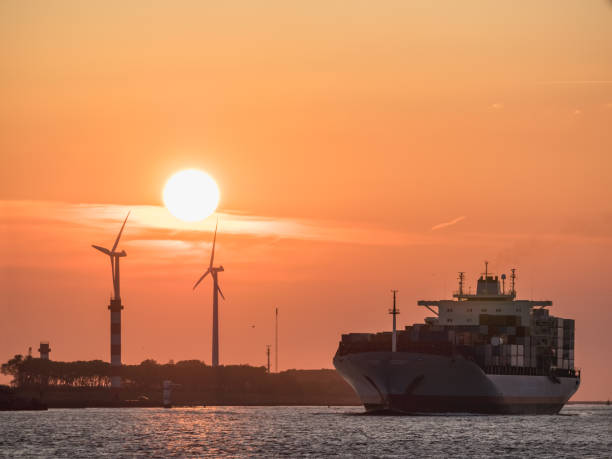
[486, 352]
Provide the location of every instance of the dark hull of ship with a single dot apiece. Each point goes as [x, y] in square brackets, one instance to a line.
[414, 383]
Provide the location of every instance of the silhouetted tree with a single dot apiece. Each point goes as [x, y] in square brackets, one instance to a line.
[232, 381]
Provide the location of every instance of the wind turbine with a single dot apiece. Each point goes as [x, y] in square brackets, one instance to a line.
[115, 308]
[214, 271]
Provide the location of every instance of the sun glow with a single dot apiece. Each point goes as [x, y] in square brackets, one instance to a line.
[191, 195]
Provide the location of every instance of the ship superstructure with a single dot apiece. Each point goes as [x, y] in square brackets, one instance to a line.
[486, 352]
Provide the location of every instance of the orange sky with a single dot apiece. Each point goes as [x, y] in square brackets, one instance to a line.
[340, 134]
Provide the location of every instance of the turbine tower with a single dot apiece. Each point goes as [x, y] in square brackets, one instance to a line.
[214, 271]
[115, 309]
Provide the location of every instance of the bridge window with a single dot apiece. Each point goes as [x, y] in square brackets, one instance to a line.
[469, 310]
[498, 310]
[449, 310]
[483, 310]
[449, 320]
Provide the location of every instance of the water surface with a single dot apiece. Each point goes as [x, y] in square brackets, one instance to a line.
[579, 431]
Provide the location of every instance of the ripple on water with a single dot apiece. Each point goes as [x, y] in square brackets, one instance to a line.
[581, 430]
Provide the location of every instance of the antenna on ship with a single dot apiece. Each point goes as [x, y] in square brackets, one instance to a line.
[394, 311]
[461, 277]
[268, 354]
[276, 342]
[513, 281]
[486, 274]
[503, 278]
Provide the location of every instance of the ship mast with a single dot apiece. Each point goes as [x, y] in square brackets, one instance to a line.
[461, 278]
[394, 312]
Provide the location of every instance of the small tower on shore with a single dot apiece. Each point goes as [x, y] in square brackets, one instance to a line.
[44, 350]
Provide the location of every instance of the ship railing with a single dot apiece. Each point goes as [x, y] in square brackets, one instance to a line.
[529, 371]
[509, 370]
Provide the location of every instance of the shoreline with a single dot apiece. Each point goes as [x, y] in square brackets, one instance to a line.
[38, 406]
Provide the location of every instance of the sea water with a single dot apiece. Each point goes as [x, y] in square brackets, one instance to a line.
[579, 431]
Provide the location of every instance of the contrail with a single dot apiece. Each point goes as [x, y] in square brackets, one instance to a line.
[445, 224]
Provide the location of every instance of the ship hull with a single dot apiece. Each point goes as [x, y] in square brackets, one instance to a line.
[412, 383]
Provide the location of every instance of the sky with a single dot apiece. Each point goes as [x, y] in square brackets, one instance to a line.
[359, 147]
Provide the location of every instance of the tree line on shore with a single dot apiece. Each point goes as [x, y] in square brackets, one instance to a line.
[192, 375]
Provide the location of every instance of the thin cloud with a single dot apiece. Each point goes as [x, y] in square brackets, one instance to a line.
[570, 82]
[154, 224]
[450, 223]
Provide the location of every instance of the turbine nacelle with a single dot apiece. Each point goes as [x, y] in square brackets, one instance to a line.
[109, 253]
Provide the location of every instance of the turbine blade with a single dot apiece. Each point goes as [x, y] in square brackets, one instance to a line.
[120, 231]
[201, 278]
[219, 288]
[212, 255]
[101, 249]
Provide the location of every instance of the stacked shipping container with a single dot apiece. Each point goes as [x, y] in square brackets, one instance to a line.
[498, 341]
[563, 343]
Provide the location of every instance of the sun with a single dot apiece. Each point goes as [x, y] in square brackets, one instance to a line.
[191, 195]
